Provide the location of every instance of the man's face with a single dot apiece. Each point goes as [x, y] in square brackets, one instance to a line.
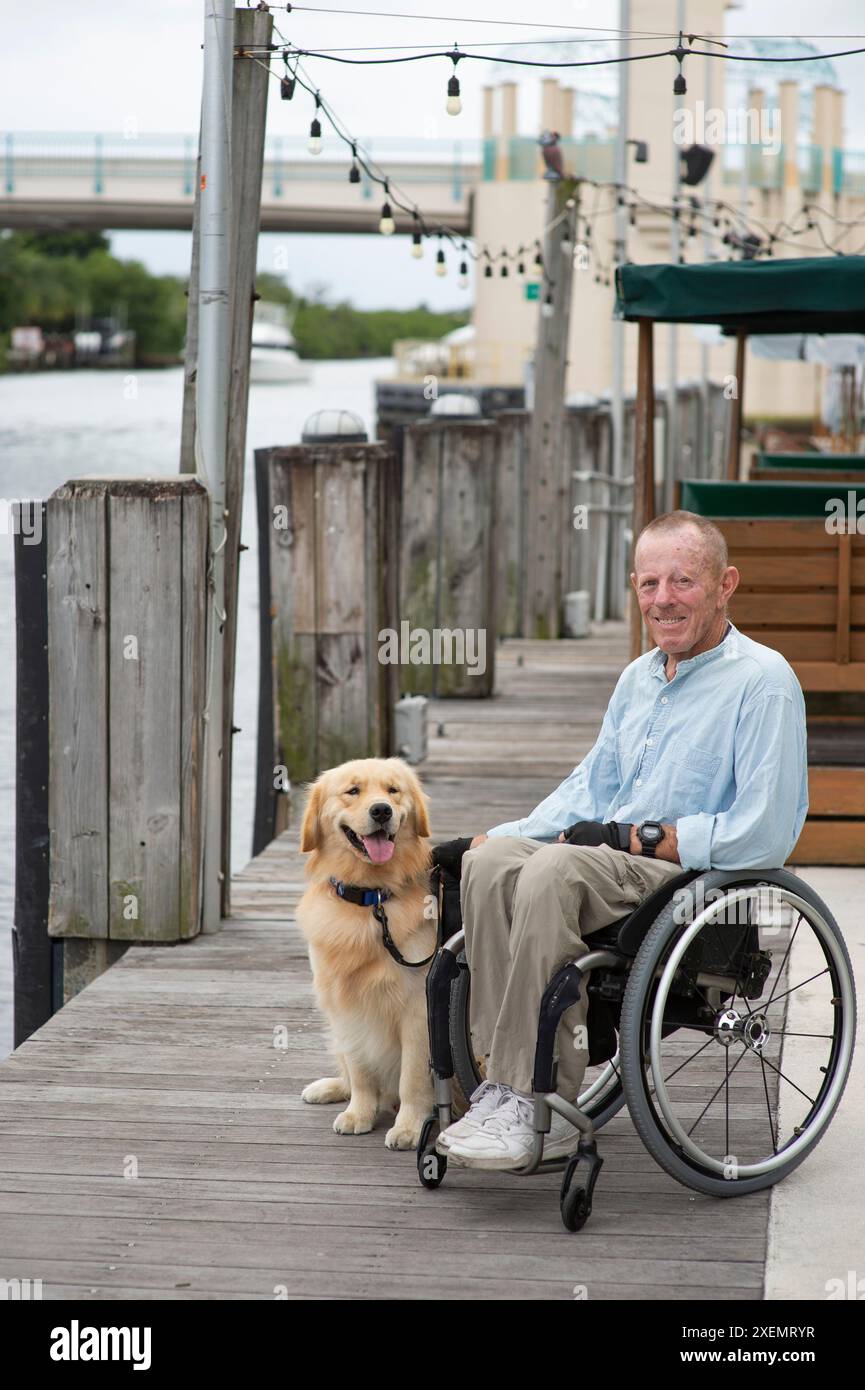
[682, 596]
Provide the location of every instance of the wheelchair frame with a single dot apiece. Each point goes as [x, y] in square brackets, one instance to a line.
[617, 952]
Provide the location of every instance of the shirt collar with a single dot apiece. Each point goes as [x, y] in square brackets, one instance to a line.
[659, 659]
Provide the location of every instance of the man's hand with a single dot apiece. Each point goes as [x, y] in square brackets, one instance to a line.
[593, 832]
[667, 849]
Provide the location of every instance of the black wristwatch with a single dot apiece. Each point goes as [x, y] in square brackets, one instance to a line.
[650, 834]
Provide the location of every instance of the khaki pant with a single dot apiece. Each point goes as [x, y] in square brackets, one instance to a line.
[526, 907]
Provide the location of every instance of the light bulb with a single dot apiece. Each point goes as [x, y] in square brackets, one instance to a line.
[386, 224]
[453, 104]
[463, 280]
[314, 145]
[504, 271]
[416, 245]
[354, 173]
[521, 269]
[488, 272]
[441, 268]
[547, 307]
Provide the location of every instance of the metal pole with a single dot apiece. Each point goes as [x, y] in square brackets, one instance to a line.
[705, 405]
[621, 174]
[212, 388]
[608, 566]
[672, 450]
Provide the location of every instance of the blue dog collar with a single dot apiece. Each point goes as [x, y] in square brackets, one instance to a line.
[362, 897]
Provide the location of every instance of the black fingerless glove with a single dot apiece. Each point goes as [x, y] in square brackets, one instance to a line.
[593, 832]
[450, 855]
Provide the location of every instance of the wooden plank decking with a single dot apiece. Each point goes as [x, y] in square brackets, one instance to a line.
[153, 1143]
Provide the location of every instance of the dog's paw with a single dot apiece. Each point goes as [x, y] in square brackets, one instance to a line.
[327, 1091]
[403, 1136]
[349, 1122]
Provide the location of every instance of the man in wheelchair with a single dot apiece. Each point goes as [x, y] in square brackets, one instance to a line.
[700, 763]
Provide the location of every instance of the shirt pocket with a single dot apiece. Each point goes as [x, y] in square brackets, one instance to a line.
[691, 771]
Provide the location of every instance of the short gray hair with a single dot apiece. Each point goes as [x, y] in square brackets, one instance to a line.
[712, 536]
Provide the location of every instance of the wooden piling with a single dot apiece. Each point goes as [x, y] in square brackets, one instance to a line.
[447, 561]
[32, 948]
[126, 567]
[548, 491]
[327, 518]
[509, 540]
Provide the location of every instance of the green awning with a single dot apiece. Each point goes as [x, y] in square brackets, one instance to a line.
[814, 294]
[754, 501]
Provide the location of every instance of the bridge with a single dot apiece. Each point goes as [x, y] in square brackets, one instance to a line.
[61, 180]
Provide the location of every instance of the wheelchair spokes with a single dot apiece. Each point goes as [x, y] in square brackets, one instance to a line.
[748, 1037]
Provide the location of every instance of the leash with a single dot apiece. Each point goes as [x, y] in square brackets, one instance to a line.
[374, 898]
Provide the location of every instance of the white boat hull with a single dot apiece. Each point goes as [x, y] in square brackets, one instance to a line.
[278, 365]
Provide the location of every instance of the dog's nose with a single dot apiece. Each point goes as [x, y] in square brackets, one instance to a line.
[380, 811]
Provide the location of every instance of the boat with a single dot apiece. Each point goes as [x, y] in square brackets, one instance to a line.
[273, 356]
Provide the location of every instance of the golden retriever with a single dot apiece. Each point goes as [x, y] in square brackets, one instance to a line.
[366, 825]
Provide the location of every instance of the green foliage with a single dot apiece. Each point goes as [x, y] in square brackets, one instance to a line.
[49, 278]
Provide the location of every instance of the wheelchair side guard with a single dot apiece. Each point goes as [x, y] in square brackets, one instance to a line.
[442, 973]
[562, 991]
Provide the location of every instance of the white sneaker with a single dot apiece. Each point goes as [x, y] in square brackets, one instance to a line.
[483, 1102]
[506, 1137]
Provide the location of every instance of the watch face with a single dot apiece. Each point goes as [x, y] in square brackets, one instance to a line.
[650, 834]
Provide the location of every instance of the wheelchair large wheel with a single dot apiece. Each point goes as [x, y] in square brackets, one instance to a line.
[737, 1032]
[601, 1098]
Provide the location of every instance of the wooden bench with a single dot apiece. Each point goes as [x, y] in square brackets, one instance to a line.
[769, 467]
[802, 591]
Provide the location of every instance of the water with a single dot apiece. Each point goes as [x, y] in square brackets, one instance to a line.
[58, 425]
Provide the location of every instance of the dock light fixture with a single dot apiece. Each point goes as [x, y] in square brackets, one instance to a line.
[314, 145]
[463, 280]
[386, 224]
[453, 105]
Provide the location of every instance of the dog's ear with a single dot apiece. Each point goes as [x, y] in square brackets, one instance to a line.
[421, 812]
[310, 830]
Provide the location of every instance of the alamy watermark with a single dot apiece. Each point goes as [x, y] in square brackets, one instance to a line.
[438, 646]
[22, 519]
[735, 125]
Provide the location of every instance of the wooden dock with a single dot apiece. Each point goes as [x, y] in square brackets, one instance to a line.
[153, 1144]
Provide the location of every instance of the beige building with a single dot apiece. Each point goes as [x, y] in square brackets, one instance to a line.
[786, 138]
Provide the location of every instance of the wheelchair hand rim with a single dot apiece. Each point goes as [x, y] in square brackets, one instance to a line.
[827, 1103]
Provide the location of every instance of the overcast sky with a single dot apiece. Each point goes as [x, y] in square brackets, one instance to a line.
[111, 64]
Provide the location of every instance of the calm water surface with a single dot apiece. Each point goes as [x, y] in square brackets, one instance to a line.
[58, 425]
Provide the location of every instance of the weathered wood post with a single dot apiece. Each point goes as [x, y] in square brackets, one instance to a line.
[32, 948]
[447, 593]
[126, 567]
[509, 539]
[327, 517]
[549, 488]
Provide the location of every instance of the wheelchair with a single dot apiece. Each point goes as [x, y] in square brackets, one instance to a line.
[721, 1011]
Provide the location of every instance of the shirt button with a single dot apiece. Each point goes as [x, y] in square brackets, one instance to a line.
[649, 742]
[664, 700]
[639, 782]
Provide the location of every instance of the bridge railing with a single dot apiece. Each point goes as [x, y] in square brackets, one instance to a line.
[97, 156]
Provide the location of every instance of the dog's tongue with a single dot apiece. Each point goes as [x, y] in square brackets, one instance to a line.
[378, 847]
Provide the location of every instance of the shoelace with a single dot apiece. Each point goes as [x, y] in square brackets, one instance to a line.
[514, 1110]
[487, 1089]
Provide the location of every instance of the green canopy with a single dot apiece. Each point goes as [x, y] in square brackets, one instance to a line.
[815, 294]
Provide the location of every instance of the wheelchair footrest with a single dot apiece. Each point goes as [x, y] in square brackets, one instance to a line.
[562, 991]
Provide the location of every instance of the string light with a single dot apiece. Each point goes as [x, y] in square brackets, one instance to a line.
[463, 278]
[441, 264]
[416, 243]
[386, 224]
[315, 129]
[453, 105]
[354, 171]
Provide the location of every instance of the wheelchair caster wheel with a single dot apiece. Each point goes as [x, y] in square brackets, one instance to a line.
[578, 1186]
[576, 1209]
[431, 1166]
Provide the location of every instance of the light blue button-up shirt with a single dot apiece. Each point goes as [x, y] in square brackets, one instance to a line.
[720, 751]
